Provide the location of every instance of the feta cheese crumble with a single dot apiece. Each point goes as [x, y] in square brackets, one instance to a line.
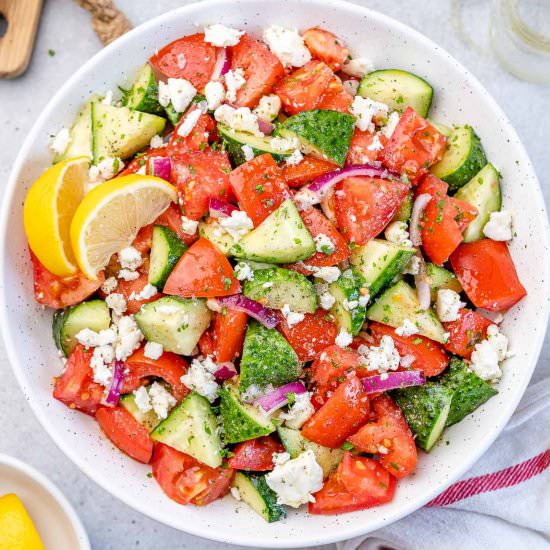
[323, 244]
[488, 353]
[499, 226]
[109, 167]
[214, 92]
[407, 328]
[200, 378]
[234, 81]
[142, 400]
[161, 400]
[287, 45]
[413, 267]
[148, 291]
[109, 285]
[177, 91]
[448, 305]
[243, 272]
[382, 358]
[391, 124]
[190, 121]
[299, 412]
[129, 337]
[116, 302]
[364, 109]
[128, 275]
[358, 67]
[295, 158]
[351, 86]
[153, 350]
[222, 36]
[344, 338]
[248, 152]
[241, 119]
[235, 493]
[327, 300]
[156, 142]
[130, 258]
[60, 141]
[305, 198]
[189, 226]
[292, 318]
[328, 274]
[398, 233]
[237, 225]
[376, 144]
[268, 108]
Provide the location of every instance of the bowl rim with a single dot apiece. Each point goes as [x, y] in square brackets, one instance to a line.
[313, 539]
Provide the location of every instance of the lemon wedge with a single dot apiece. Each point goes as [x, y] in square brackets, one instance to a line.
[112, 213]
[49, 208]
[17, 531]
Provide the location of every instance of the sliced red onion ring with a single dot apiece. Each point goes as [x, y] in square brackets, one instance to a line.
[159, 167]
[223, 63]
[225, 371]
[422, 283]
[419, 205]
[265, 127]
[113, 394]
[279, 396]
[263, 314]
[220, 208]
[393, 380]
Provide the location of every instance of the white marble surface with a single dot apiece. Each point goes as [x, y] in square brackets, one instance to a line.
[65, 29]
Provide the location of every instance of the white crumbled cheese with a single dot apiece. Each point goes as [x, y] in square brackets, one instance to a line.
[295, 158]
[108, 98]
[280, 458]
[200, 378]
[156, 142]
[161, 400]
[292, 318]
[344, 338]
[499, 226]
[109, 285]
[488, 353]
[364, 298]
[142, 400]
[235, 493]
[130, 258]
[109, 167]
[350, 305]
[283, 145]
[328, 274]
[94, 176]
[295, 480]
[305, 198]
[241, 119]
[243, 272]
[382, 358]
[364, 109]
[287, 45]
[413, 267]
[407, 360]
[268, 108]
[358, 67]
[323, 244]
[448, 305]
[89, 338]
[391, 124]
[398, 233]
[128, 274]
[222, 36]
[153, 350]
[237, 225]
[189, 122]
[102, 358]
[351, 86]
[215, 94]
[327, 300]
[60, 141]
[177, 91]
[129, 337]
[299, 412]
[188, 226]
[248, 152]
[148, 291]
[407, 328]
[376, 145]
[116, 302]
[234, 81]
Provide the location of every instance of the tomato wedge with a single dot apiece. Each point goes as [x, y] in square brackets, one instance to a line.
[125, 432]
[344, 412]
[296, 175]
[202, 272]
[171, 218]
[390, 437]
[259, 186]
[364, 206]
[133, 288]
[140, 161]
[336, 98]
[199, 57]
[202, 133]
[255, 455]
[359, 152]
[468, 330]
[229, 331]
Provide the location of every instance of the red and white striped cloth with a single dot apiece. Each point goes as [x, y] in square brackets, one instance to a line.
[502, 503]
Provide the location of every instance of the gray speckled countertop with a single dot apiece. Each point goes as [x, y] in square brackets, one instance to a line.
[65, 29]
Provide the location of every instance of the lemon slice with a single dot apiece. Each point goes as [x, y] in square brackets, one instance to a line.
[17, 531]
[112, 213]
[49, 208]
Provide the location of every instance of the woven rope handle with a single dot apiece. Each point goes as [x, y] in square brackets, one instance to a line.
[108, 22]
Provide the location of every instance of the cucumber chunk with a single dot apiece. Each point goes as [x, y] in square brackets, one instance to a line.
[234, 141]
[149, 419]
[166, 250]
[280, 239]
[441, 128]
[439, 277]
[347, 289]
[483, 192]
[192, 428]
[67, 323]
[276, 286]
[295, 444]
[398, 89]
[462, 160]
[379, 261]
[81, 136]
[241, 421]
[426, 409]
[176, 323]
[121, 132]
[267, 358]
[211, 231]
[322, 133]
[255, 491]
[398, 303]
[144, 94]
[404, 211]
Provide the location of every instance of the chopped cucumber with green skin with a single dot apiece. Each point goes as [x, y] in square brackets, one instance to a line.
[121, 132]
[347, 292]
[174, 116]
[240, 420]
[462, 160]
[211, 231]
[483, 192]
[404, 211]
[234, 141]
[175, 323]
[322, 133]
[267, 359]
[281, 238]
[143, 95]
[166, 250]
[254, 490]
[441, 128]
[192, 428]
[67, 323]
[439, 277]
[81, 136]
[399, 303]
[398, 89]
[149, 419]
[276, 287]
[379, 262]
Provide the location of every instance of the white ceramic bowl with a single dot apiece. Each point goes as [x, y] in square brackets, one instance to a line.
[52, 514]
[459, 98]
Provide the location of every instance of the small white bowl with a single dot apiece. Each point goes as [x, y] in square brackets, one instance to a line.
[52, 514]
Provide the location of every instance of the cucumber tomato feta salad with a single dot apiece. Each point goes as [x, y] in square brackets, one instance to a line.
[274, 275]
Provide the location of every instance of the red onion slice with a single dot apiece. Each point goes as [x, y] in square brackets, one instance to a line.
[113, 393]
[225, 371]
[263, 314]
[160, 167]
[393, 381]
[220, 208]
[265, 127]
[422, 283]
[419, 205]
[223, 63]
[279, 396]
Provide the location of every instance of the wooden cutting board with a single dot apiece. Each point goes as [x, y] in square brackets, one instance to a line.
[17, 43]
